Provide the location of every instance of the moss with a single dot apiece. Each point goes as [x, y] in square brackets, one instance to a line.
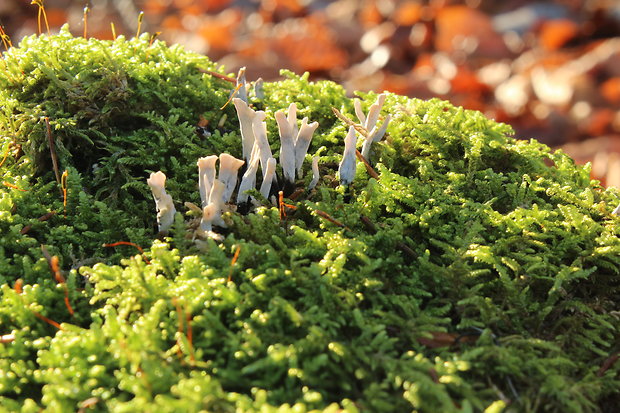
[475, 271]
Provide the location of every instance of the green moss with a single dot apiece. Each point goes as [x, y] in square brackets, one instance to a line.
[503, 249]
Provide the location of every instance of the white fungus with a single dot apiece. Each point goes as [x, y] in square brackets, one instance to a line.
[216, 205]
[229, 168]
[303, 143]
[248, 181]
[206, 175]
[260, 134]
[315, 173]
[346, 169]
[375, 135]
[259, 91]
[241, 87]
[163, 201]
[268, 177]
[246, 116]
[287, 146]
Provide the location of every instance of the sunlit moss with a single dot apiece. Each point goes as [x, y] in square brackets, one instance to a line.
[475, 271]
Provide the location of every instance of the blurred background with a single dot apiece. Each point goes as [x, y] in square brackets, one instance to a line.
[551, 69]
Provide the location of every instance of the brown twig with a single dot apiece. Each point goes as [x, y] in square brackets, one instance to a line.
[608, 363]
[187, 316]
[131, 244]
[86, 11]
[47, 320]
[329, 218]
[18, 286]
[50, 140]
[42, 218]
[6, 154]
[349, 122]
[370, 226]
[63, 187]
[371, 171]
[219, 75]
[53, 263]
[233, 261]
[10, 185]
[282, 205]
[298, 192]
[232, 95]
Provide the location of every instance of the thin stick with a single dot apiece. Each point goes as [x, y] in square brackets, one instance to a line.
[139, 248]
[10, 185]
[18, 286]
[232, 95]
[233, 261]
[42, 218]
[151, 41]
[113, 30]
[608, 363]
[53, 263]
[6, 154]
[47, 320]
[331, 219]
[369, 168]
[6, 40]
[86, 11]
[140, 17]
[50, 140]
[349, 122]
[63, 185]
[41, 13]
[218, 75]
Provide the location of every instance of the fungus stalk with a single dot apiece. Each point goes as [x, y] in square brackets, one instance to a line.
[249, 178]
[294, 141]
[303, 143]
[260, 134]
[229, 168]
[369, 122]
[346, 169]
[268, 177]
[315, 173]
[206, 176]
[375, 135]
[212, 213]
[241, 87]
[163, 201]
[287, 145]
[246, 117]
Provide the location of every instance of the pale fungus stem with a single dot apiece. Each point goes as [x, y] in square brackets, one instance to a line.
[303, 143]
[229, 168]
[315, 173]
[260, 134]
[206, 176]
[268, 177]
[346, 169]
[249, 178]
[163, 201]
[246, 117]
[212, 213]
[242, 92]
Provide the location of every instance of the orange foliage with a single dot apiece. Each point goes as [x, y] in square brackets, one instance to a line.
[408, 13]
[610, 89]
[556, 33]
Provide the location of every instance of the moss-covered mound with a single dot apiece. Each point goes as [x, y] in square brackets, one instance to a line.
[473, 272]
